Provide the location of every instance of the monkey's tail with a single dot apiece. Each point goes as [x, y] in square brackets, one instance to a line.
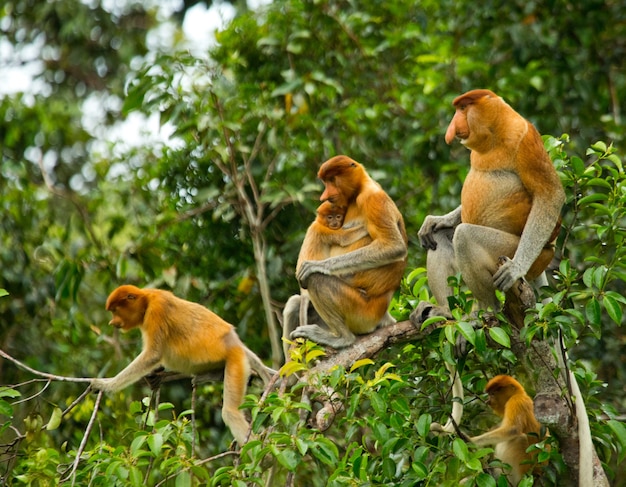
[457, 405]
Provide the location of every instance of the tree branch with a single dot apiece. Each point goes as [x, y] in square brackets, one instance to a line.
[45, 375]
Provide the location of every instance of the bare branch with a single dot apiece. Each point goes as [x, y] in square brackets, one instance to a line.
[83, 443]
[45, 375]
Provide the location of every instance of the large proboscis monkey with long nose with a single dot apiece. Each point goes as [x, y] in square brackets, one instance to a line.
[351, 289]
[510, 204]
[184, 337]
[510, 207]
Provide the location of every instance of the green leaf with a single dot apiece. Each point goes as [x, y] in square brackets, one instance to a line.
[594, 315]
[379, 405]
[499, 335]
[460, 449]
[389, 467]
[432, 320]
[485, 480]
[592, 198]
[183, 479]
[467, 330]
[137, 444]
[420, 470]
[288, 459]
[423, 424]
[599, 146]
[155, 442]
[613, 309]
[6, 409]
[326, 451]
[8, 392]
[578, 166]
[619, 430]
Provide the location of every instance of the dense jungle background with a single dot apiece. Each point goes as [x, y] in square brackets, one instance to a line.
[130, 152]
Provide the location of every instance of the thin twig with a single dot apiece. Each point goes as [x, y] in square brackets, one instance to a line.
[26, 399]
[197, 464]
[83, 443]
[45, 375]
[194, 431]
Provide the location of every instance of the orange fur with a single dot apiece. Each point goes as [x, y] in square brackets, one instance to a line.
[184, 337]
[518, 430]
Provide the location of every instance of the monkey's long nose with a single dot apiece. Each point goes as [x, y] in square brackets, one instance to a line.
[450, 133]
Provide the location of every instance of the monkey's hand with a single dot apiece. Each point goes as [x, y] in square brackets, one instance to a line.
[435, 224]
[101, 385]
[309, 267]
[507, 274]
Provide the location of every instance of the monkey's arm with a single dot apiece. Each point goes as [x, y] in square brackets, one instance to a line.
[433, 224]
[347, 235]
[143, 364]
[543, 183]
[387, 246]
[498, 435]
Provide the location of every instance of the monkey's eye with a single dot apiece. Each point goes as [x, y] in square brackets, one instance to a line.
[131, 297]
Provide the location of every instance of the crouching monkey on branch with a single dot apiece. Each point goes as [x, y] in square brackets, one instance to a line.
[183, 337]
[510, 207]
[518, 430]
[350, 288]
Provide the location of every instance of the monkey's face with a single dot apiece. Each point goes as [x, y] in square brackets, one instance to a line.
[331, 191]
[334, 221]
[122, 319]
[342, 178]
[127, 306]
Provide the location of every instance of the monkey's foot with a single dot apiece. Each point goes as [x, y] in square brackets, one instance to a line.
[322, 336]
[427, 310]
[386, 320]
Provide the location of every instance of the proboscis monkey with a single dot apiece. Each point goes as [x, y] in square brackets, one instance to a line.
[331, 216]
[351, 290]
[518, 430]
[326, 231]
[183, 337]
[510, 206]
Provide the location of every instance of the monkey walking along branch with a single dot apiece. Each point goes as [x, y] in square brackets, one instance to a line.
[185, 337]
